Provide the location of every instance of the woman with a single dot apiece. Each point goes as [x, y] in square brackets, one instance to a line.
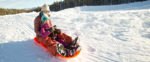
[43, 22]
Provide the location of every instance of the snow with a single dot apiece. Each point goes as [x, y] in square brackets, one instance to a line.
[106, 34]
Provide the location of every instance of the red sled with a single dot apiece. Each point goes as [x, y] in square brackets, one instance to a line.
[76, 54]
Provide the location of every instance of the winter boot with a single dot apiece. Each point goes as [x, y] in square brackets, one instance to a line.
[65, 52]
[61, 50]
[74, 41]
[73, 44]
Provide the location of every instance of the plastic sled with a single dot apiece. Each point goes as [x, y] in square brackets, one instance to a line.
[76, 54]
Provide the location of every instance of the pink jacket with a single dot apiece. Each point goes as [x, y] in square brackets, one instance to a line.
[43, 30]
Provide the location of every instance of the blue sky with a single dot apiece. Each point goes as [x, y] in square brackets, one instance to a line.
[20, 4]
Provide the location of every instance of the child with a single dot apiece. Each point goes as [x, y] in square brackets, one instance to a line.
[46, 24]
[42, 25]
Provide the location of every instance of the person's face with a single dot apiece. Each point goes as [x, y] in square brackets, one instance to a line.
[46, 12]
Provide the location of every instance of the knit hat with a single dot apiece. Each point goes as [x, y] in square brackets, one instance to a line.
[45, 7]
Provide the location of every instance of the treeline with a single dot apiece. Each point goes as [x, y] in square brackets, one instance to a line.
[73, 3]
[4, 11]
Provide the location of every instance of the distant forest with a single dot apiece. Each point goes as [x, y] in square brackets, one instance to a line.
[4, 11]
[56, 6]
[60, 5]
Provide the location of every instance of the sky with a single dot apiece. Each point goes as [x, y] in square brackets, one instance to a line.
[23, 4]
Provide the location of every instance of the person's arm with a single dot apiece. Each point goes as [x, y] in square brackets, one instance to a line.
[45, 33]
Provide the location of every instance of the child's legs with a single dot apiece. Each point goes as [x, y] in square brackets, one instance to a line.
[62, 42]
[65, 37]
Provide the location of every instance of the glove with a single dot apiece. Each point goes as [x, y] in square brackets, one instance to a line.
[52, 29]
[57, 31]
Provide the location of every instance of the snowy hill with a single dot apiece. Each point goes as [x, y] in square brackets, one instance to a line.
[119, 35]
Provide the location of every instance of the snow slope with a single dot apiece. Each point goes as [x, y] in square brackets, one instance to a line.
[105, 36]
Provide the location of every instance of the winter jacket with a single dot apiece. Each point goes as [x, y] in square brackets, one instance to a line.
[43, 30]
[37, 24]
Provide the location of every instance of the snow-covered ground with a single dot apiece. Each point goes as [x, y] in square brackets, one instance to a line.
[105, 36]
